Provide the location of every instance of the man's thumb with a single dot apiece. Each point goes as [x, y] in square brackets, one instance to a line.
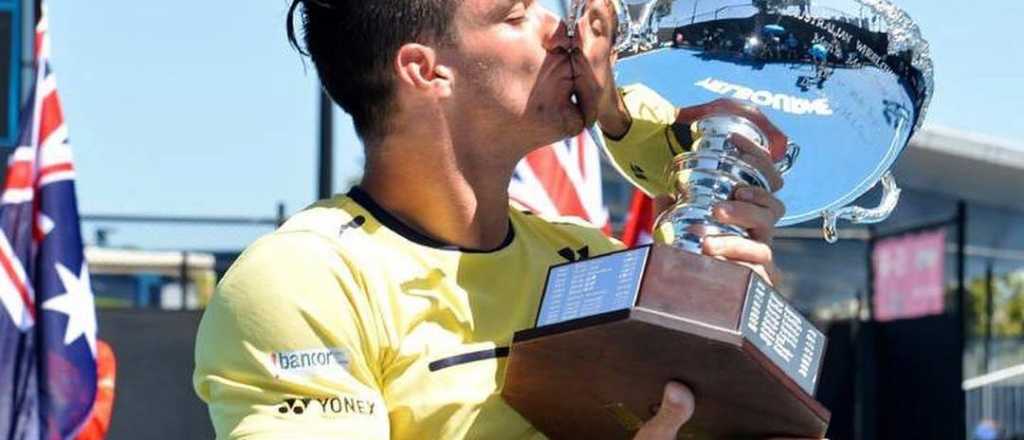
[677, 405]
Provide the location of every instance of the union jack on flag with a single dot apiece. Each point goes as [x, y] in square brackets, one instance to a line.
[563, 178]
[48, 321]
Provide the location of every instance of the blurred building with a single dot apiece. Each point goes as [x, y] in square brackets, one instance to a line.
[132, 278]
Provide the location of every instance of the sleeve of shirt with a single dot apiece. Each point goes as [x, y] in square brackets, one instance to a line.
[644, 153]
[288, 346]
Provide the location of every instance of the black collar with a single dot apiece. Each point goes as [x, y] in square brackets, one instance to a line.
[391, 222]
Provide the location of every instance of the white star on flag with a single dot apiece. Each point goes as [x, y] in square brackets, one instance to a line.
[76, 302]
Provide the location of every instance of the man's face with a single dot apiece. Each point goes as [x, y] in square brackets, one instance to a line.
[513, 76]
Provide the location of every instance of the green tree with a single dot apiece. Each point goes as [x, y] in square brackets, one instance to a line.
[1007, 302]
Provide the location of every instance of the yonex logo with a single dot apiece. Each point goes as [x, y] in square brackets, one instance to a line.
[637, 171]
[354, 224]
[294, 406]
[328, 405]
[579, 254]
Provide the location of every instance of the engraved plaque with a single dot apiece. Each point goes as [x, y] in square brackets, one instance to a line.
[590, 287]
[783, 334]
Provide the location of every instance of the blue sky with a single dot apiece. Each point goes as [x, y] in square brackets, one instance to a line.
[202, 108]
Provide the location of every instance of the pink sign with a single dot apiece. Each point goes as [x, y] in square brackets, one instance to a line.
[909, 275]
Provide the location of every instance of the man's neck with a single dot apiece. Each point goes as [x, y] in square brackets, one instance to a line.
[424, 184]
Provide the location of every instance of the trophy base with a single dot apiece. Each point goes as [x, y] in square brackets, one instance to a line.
[602, 376]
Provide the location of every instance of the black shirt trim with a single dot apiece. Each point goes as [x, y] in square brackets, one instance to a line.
[391, 222]
[494, 353]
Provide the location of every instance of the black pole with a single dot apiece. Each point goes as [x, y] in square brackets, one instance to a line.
[989, 287]
[961, 309]
[865, 363]
[872, 241]
[326, 164]
[184, 280]
[961, 273]
[280, 213]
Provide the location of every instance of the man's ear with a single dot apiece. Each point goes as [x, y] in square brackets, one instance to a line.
[417, 67]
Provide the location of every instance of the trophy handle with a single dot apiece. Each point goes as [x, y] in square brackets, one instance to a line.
[856, 214]
[787, 161]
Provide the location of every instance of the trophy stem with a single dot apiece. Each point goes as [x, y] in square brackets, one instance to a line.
[706, 175]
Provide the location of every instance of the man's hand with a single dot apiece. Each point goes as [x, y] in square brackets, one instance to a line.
[753, 209]
[677, 407]
[593, 59]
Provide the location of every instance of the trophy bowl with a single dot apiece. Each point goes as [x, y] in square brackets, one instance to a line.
[847, 81]
[832, 92]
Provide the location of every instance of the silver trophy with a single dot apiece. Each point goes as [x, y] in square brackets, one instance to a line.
[846, 81]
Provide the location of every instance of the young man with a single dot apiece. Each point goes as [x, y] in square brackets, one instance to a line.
[388, 312]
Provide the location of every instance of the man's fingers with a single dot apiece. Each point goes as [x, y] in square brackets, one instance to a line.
[737, 249]
[768, 273]
[757, 220]
[746, 252]
[760, 197]
[592, 58]
[677, 405]
[757, 157]
[587, 88]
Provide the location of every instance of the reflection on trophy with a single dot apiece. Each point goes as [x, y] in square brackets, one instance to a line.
[832, 94]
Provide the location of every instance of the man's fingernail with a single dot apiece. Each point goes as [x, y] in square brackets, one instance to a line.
[673, 395]
[745, 194]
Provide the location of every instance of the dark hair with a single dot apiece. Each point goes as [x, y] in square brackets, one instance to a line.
[352, 44]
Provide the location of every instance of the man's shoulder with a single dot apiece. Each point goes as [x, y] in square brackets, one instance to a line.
[302, 269]
[337, 226]
[320, 238]
[571, 229]
[329, 218]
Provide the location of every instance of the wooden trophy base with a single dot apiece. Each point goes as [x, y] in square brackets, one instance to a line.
[712, 325]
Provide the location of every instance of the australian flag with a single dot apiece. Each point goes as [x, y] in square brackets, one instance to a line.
[48, 320]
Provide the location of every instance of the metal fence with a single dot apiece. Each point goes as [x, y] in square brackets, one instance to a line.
[995, 404]
[170, 280]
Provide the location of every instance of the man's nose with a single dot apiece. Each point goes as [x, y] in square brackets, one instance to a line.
[556, 37]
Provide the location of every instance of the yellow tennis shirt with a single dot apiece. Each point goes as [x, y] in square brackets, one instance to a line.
[346, 324]
[645, 152]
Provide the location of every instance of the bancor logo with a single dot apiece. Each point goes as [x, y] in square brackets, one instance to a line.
[323, 359]
[777, 101]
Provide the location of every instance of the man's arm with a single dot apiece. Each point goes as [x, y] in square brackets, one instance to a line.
[286, 348]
